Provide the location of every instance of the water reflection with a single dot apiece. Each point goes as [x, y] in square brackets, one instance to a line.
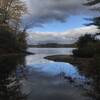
[91, 73]
[41, 78]
[57, 68]
[9, 78]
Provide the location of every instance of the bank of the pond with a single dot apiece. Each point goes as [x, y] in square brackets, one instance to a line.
[15, 54]
[71, 59]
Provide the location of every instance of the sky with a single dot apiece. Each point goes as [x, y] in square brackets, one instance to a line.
[57, 17]
[55, 13]
[66, 37]
[55, 26]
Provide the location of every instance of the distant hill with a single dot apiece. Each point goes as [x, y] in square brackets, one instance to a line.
[49, 45]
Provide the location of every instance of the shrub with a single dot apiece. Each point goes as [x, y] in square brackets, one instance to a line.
[84, 52]
[88, 46]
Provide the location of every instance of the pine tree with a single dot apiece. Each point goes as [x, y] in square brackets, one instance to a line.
[92, 2]
[96, 20]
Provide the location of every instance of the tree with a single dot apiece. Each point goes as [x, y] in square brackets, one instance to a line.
[84, 40]
[92, 2]
[96, 20]
[11, 10]
[11, 37]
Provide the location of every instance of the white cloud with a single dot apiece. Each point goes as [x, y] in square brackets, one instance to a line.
[67, 37]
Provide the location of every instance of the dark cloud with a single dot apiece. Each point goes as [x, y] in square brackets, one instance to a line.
[41, 11]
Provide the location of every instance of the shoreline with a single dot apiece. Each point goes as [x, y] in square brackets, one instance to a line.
[16, 54]
[70, 59]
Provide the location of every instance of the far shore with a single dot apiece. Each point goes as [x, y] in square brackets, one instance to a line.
[71, 59]
[53, 45]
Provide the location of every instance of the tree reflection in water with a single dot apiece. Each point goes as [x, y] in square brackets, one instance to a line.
[10, 86]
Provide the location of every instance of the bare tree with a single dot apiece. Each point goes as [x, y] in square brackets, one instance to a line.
[11, 10]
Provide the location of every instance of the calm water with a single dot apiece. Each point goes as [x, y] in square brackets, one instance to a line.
[35, 78]
[48, 67]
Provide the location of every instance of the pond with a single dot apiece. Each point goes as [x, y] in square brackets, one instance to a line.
[49, 67]
[32, 77]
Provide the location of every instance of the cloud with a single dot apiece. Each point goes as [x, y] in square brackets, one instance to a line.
[66, 37]
[41, 11]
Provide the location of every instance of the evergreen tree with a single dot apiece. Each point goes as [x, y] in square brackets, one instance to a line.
[96, 20]
[92, 2]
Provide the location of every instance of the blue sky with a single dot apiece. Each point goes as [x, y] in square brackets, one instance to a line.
[56, 26]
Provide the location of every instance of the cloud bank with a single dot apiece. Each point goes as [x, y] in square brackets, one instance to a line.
[66, 37]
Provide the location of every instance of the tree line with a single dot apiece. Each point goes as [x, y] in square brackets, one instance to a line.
[88, 46]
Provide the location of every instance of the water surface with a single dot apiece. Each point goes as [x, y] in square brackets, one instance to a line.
[46, 78]
[49, 67]
[35, 78]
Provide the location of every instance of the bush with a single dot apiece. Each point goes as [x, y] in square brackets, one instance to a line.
[88, 46]
[84, 52]
[10, 42]
[7, 39]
